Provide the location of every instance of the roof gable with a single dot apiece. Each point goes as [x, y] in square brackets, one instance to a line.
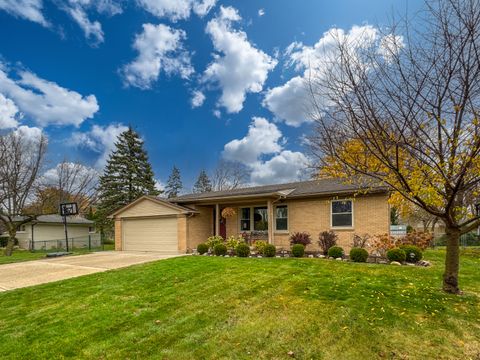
[150, 206]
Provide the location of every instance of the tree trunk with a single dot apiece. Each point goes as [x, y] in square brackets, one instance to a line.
[10, 244]
[452, 261]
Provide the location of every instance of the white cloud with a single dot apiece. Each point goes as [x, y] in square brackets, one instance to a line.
[78, 10]
[289, 102]
[262, 151]
[261, 12]
[217, 113]
[29, 134]
[284, 167]
[160, 48]
[238, 67]
[159, 185]
[262, 138]
[176, 10]
[46, 102]
[25, 9]
[100, 140]
[198, 98]
[8, 113]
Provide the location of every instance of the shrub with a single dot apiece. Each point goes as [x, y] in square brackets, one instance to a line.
[396, 254]
[202, 248]
[421, 239]
[335, 252]
[214, 240]
[382, 243]
[269, 250]
[327, 239]
[298, 250]
[358, 254]
[360, 241]
[233, 241]
[220, 250]
[303, 238]
[242, 250]
[412, 249]
[259, 246]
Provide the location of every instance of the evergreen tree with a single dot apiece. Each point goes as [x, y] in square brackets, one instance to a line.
[127, 175]
[174, 183]
[203, 183]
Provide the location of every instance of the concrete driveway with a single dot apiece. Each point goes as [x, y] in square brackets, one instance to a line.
[29, 273]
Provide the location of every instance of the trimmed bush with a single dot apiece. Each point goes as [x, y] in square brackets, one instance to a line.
[269, 250]
[202, 248]
[327, 239]
[259, 245]
[396, 254]
[335, 252]
[242, 250]
[303, 238]
[412, 249]
[358, 255]
[220, 250]
[298, 250]
[214, 240]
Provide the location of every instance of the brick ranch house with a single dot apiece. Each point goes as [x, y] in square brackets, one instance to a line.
[270, 213]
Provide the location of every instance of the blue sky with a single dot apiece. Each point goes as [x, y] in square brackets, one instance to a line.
[82, 70]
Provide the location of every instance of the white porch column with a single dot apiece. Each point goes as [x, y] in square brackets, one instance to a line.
[217, 219]
[270, 221]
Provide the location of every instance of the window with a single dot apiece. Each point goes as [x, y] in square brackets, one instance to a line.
[21, 228]
[245, 219]
[342, 213]
[281, 218]
[260, 219]
[91, 229]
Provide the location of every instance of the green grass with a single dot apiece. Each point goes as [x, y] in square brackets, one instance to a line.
[231, 308]
[25, 255]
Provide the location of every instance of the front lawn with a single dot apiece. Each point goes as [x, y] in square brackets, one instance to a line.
[211, 308]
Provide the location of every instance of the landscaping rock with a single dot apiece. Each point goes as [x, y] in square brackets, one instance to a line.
[259, 256]
[278, 256]
[410, 264]
[338, 259]
[227, 255]
[286, 255]
[321, 256]
[395, 263]
[310, 256]
[345, 259]
[384, 262]
[291, 354]
[424, 263]
[331, 258]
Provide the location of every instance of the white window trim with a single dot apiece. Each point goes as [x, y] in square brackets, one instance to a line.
[252, 216]
[275, 219]
[93, 231]
[331, 215]
[22, 231]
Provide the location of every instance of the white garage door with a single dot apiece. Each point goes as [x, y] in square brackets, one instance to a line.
[150, 234]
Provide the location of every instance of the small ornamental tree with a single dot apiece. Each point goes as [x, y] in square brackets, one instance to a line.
[402, 109]
[327, 239]
[303, 238]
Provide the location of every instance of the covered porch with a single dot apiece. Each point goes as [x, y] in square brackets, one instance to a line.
[258, 220]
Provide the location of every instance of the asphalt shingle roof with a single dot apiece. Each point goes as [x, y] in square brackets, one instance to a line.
[56, 219]
[290, 190]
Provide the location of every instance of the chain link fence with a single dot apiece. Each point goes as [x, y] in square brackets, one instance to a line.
[92, 242]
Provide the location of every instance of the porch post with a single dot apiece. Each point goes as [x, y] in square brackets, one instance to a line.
[217, 219]
[270, 221]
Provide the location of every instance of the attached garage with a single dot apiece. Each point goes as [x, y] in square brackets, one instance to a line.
[150, 234]
[151, 224]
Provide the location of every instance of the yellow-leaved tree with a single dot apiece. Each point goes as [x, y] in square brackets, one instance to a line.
[403, 108]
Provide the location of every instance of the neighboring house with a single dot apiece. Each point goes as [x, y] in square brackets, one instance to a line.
[270, 213]
[47, 231]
